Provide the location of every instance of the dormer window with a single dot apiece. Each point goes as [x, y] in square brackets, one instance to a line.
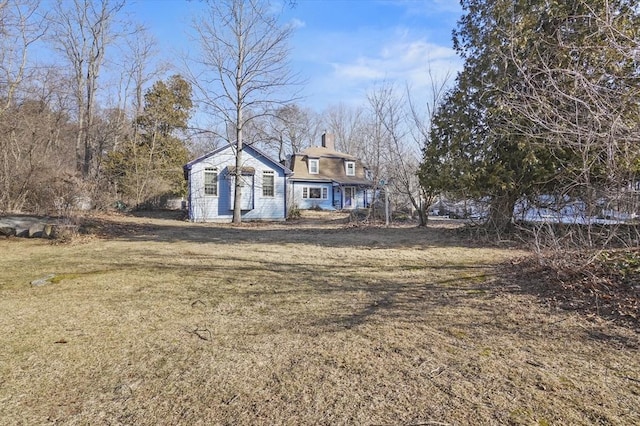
[350, 167]
[314, 166]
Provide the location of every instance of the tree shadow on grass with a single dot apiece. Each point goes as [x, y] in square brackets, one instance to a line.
[321, 233]
[319, 297]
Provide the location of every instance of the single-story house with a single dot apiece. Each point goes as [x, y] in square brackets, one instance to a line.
[211, 181]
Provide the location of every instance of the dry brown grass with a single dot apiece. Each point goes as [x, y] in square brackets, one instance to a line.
[304, 323]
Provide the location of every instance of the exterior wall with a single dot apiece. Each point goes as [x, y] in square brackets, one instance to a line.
[361, 198]
[335, 196]
[311, 203]
[210, 208]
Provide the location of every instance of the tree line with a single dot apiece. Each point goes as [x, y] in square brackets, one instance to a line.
[72, 78]
[91, 114]
[545, 112]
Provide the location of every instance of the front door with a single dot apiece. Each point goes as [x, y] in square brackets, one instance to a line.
[349, 197]
[246, 188]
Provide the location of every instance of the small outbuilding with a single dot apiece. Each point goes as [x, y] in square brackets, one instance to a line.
[211, 180]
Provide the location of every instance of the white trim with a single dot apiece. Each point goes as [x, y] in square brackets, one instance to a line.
[353, 168]
[315, 161]
[273, 183]
[212, 171]
[306, 193]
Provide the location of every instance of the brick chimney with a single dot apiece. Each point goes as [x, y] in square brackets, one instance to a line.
[327, 141]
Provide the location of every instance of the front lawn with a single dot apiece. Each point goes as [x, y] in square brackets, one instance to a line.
[158, 321]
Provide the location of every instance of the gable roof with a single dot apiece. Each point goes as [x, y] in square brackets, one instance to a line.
[256, 153]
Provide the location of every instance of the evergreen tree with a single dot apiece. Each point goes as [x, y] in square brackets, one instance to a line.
[545, 88]
[149, 166]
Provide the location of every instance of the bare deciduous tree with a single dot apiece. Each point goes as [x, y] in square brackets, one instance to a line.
[242, 68]
[347, 125]
[141, 49]
[81, 31]
[288, 130]
[400, 157]
[20, 28]
[403, 130]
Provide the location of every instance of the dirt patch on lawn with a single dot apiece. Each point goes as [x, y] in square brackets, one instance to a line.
[606, 286]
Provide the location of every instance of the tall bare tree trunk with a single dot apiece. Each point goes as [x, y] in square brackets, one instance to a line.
[237, 200]
[244, 50]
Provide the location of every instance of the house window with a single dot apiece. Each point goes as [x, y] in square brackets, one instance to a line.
[351, 168]
[314, 193]
[268, 183]
[314, 166]
[211, 181]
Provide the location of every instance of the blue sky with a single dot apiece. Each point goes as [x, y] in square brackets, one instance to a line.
[342, 48]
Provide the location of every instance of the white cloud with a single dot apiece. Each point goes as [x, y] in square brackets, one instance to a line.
[343, 62]
[362, 69]
[297, 23]
[402, 61]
